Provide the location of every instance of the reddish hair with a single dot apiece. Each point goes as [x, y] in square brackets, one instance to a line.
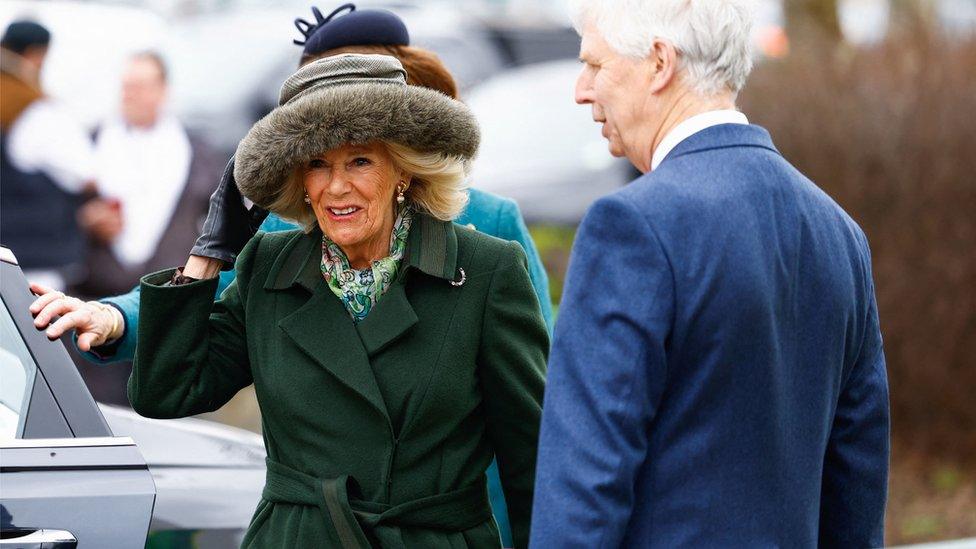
[423, 67]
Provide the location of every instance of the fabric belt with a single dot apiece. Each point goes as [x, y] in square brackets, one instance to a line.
[353, 518]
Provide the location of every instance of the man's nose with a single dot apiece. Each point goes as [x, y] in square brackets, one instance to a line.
[584, 87]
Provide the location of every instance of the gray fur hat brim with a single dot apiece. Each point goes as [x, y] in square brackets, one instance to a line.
[307, 126]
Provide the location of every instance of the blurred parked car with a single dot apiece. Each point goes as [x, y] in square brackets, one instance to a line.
[74, 473]
[539, 147]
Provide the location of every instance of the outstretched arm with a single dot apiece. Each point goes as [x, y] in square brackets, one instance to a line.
[192, 353]
[100, 346]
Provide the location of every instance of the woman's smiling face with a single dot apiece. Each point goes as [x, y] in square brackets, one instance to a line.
[352, 191]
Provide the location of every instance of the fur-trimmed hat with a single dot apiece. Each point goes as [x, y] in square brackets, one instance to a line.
[349, 98]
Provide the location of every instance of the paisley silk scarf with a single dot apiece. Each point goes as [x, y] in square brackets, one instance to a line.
[359, 290]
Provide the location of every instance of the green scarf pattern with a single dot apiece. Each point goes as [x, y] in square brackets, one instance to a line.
[360, 290]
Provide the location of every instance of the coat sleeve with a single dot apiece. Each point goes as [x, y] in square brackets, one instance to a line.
[192, 354]
[511, 226]
[124, 348]
[606, 375]
[855, 473]
[512, 364]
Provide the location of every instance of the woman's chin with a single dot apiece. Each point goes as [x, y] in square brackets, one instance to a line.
[344, 236]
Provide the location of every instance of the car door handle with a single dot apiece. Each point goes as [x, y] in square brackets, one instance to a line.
[37, 539]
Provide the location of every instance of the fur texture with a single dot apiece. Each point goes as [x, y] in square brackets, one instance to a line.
[296, 132]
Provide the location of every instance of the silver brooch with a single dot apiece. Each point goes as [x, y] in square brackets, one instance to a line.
[463, 278]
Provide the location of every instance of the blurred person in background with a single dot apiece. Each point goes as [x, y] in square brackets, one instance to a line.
[717, 376]
[108, 334]
[46, 164]
[155, 180]
[156, 175]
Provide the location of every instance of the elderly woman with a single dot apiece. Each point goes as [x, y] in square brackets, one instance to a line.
[107, 329]
[392, 351]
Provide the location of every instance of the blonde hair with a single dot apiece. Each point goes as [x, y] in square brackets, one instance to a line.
[438, 182]
[438, 186]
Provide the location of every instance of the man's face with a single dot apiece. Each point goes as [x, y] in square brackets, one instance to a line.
[143, 92]
[617, 88]
[35, 56]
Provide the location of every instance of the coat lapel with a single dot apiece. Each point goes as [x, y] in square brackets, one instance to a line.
[431, 249]
[390, 318]
[433, 252]
[322, 327]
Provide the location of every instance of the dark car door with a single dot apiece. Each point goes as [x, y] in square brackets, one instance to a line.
[65, 480]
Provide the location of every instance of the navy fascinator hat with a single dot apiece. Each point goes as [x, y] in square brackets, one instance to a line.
[354, 28]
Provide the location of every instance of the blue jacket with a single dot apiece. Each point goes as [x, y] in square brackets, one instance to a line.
[717, 376]
[488, 213]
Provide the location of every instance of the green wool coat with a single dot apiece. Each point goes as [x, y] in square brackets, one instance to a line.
[378, 434]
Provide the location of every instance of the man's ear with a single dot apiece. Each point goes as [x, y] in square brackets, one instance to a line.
[663, 59]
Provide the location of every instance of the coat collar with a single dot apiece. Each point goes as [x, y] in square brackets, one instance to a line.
[721, 137]
[431, 249]
[321, 326]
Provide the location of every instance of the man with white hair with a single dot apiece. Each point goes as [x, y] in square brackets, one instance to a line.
[717, 377]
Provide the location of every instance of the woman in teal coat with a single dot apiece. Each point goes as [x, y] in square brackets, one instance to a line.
[392, 351]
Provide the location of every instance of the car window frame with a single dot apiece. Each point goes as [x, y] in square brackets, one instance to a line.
[61, 403]
[20, 355]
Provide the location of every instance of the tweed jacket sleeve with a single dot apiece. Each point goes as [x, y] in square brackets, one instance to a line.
[855, 464]
[606, 376]
[191, 355]
[512, 364]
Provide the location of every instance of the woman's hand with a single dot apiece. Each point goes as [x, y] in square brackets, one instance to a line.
[95, 323]
[229, 223]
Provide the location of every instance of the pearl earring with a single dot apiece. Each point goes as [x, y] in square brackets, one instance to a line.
[307, 199]
[400, 188]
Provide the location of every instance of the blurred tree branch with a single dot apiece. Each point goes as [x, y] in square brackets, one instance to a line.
[812, 22]
[912, 15]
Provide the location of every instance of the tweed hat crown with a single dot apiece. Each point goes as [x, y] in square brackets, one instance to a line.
[343, 69]
[354, 99]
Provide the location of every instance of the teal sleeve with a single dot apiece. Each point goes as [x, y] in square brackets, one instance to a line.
[496, 496]
[274, 224]
[511, 226]
[124, 349]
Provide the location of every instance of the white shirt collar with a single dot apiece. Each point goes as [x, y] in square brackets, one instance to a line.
[692, 126]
